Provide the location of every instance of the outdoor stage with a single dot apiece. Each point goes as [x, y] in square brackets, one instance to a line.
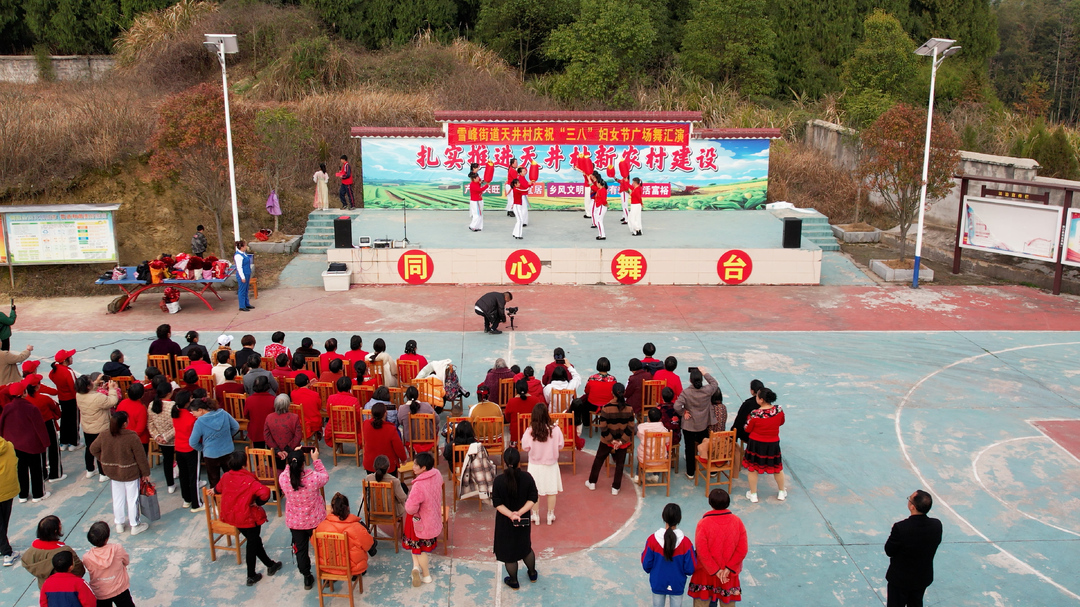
[560, 247]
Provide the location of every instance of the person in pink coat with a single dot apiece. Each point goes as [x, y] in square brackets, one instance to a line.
[305, 507]
[542, 440]
[423, 515]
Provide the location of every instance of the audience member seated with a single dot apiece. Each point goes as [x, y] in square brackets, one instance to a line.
[634, 387]
[244, 353]
[559, 381]
[281, 431]
[382, 465]
[222, 358]
[667, 375]
[164, 345]
[116, 367]
[355, 354]
[192, 338]
[652, 365]
[257, 407]
[494, 376]
[277, 347]
[521, 404]
[305, 350]
[201, 366]
[332, 371]
[413, 406]
[379, 356]
[282, 370]
[341, 520]
[560, 361]
[330, 355]
[381, 438]
[410, 354]
[255, 371]
[229, 385]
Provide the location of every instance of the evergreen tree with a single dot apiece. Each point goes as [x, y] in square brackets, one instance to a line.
[518, 29]
[1056, 156]
[970, 22]
[731, 40]
[380, 23]
[76, 27]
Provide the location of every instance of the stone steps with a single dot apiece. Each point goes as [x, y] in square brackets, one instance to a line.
[815, 228]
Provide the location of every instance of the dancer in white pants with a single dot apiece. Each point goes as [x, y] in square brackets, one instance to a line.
[511, 175]
[599, 188]
[517, 192]
[524, 183]
[634, 217]
[624, 195]
[476, 203]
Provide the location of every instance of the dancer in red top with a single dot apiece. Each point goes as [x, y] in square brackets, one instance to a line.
[511, 175]
[763, 448]
[599, 191]
[518, 190]
[634, 215]
[476, 202]
[64, 379]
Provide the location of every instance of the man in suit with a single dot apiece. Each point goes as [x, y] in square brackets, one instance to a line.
[492, 306]
[911, 548]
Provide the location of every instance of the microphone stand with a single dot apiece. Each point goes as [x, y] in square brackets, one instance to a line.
[405, 219]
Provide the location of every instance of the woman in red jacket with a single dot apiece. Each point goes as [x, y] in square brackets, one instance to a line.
[381, 438]
[597, 393]
[720, 540]
[599, 192]
[763, 448]
[242, 497]
[64, 379]
[51, 463]
[187, 459]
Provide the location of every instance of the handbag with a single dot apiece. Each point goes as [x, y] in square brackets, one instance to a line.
[148, 501]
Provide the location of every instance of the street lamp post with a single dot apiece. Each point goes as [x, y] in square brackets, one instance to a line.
[220, 44]
[938, 49]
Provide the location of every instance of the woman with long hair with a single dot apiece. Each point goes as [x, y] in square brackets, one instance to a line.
[616, 437]
[122, 458]
[668, 558]
[322, 194]
[514, 494]
[304, 505]
[543, 440]
[410, 354]
[160, 425]
[379, 356]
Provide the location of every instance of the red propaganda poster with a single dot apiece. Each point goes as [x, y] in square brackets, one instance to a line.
[523, 267]
[734, 267]
[546, 133]
[628, 266]
[415, 267]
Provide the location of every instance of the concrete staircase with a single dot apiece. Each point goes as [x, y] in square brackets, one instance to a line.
[319, 233]
[815, 228]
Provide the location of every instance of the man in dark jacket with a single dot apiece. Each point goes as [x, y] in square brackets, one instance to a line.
[198, 242]
[749, 406]
[634, 387]
[116, 367]
[911, 548]
[492, 307]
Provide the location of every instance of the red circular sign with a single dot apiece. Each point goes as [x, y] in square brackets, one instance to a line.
[734, 267]
[523, 267]
[415, 267]
[628, 266]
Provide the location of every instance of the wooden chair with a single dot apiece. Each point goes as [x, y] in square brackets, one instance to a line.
[460, 451]
[325, 390]
[655, 459]
[457, 402]
[426, 389]
[217, 529]
[569, 431]
[490, 432]
[506, 391]
[377, 371]
[153, 453]
[560, 400]
[650, 396]
[407, 370]
[363, 393]
[346, 431]
[163, 363]
[124, 382]
[332, 565]
[397, 397]
[379, 509]
[234, 406]
[675, 455]
[261, 464]
[720, 461]
[312, 364]
[268, 363]
[206, 382]
[179, 364]
[423, 430]
[287, 385]
[309, 437]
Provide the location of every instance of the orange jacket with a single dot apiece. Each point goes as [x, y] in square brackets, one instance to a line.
[360, 541]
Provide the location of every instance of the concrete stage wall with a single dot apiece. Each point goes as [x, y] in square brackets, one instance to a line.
[583, 265]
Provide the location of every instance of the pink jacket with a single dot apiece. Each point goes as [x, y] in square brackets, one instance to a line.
[425, 504]
[107, 567]
[547, 452]
[305, 508]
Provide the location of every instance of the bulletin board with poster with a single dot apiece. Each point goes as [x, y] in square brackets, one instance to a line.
[60, 234]
[1071, 256]
[1012, 228]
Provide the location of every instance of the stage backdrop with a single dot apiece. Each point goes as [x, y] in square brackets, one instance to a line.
[677, 173]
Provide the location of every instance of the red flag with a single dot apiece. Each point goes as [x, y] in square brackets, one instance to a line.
[489, 173]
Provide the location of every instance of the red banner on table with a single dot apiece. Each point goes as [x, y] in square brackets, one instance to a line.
[523, 267]
[628, 266]
[580, 133]
[734, 267]
[415, 267]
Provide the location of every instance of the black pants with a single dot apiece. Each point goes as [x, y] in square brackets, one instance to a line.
[188, 463]
[619, 455]
[89, 457]
[213, 469]
[69, 422]
[258, 444]
[582, 413]
[51, 466]
[346, 196]
[300, 540]
[491, 319]
[691, 440]
[168, 455]
[121, 600]
[31, 482]
[905, 595]
[5, 344]
[255, 549]
[5, 517]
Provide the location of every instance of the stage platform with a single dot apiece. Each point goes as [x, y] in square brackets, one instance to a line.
[678, 247]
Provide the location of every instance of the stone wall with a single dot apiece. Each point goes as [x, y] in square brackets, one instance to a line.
[23, 69]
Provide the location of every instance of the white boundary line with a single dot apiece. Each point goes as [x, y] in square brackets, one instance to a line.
[1048, 437]
[940, 500]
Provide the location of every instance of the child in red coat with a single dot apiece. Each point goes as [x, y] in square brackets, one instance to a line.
[63, 588]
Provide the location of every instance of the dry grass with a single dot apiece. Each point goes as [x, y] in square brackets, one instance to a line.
[807, 178]
[152, 31]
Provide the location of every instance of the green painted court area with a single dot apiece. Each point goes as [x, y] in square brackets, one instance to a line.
[871, 416]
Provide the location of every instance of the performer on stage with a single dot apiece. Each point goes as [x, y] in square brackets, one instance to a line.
[634, 218]
[523, 182]
[518, 192]
[599, 203]
[583, 164]
[345, 192]
[511, 175]
[476, 202]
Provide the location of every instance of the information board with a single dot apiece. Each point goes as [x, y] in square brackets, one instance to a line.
[1071, 254]
[1012, 228]
[60, 237]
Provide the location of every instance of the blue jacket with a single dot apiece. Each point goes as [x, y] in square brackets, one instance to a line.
[213, 433]
[668, 577]
[242, 261]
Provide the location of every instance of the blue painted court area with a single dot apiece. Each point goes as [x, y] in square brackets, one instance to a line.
[870, 418]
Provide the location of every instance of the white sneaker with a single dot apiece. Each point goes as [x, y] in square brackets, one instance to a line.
[781, 496]
[119, 528]
[198, 508]
[22, 500]
[58, 479]
[652, 478]
[535, 518]
[415, 577]
[551, 516]
[614, 491]
[426, 579]
[10, 559]
[635, 479]
[752, 497]
[172, 488]
[137, 529]
[591, 486]
[101, 478]
[201, 485]
[186, 505]
[90, 474]
[38, 499]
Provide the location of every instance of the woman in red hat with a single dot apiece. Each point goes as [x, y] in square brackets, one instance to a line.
[51, 466]
[64, 379]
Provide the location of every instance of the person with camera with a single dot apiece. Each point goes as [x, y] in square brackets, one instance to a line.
[305, 507]
[514, 494]
[492, 306]
[95, 409]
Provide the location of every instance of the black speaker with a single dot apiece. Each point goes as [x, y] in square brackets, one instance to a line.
[792, 232]
[343, 233]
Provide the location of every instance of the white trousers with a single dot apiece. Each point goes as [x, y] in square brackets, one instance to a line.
[519, 224]
[524, 210]
[125, 502]
[476, 214]
[625, 206]
[589, 205]
[634, 218]
[509, 198]
[598, 219]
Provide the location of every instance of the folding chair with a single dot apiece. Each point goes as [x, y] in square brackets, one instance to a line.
[261, 464]
[379, 509]
[234, 406]
[720, 461]
[407, 370]
[217, 529]
[655, 459]
[332, 565]
[569, 431]
[491, 433]
[560, 400]
[423, 431]
[345, 431]
[650, 396]
[163, 363]
[506, 391]
[363, 393]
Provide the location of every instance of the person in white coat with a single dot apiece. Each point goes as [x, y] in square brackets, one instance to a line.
[559, 381]
[322, 195]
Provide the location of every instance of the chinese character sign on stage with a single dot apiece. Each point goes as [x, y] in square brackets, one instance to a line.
[628, 267]
[677, 172]
[523, 267]
[415, 267]
[734, 267]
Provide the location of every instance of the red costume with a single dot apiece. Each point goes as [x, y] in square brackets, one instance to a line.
[720, 540]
